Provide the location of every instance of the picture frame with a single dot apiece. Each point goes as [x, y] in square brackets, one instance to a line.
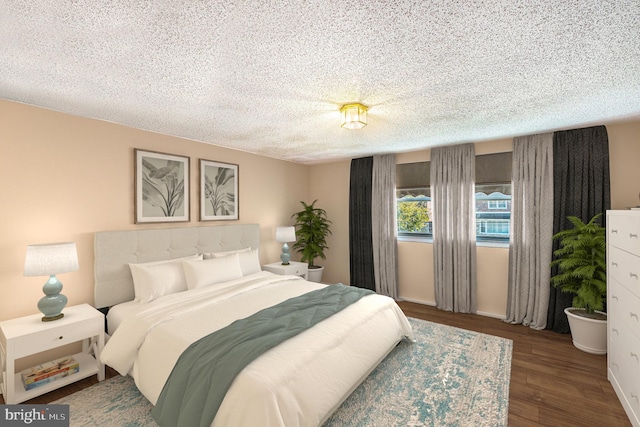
[219, 191]
[161, 187]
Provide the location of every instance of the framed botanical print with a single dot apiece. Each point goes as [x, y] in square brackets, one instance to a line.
[218, 191]
[161, 187]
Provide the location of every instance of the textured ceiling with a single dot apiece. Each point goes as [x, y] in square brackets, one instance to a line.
[269, 77]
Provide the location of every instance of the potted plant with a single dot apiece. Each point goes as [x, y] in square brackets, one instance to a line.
[582, 265]
[312, 229]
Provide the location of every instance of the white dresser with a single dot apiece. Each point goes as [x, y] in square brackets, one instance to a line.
[623, 308]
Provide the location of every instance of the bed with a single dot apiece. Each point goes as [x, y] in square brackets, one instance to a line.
[151, 321]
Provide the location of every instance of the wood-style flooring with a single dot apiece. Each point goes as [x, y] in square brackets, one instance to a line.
[552, 382]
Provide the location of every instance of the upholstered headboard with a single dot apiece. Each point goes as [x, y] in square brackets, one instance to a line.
[114, 250]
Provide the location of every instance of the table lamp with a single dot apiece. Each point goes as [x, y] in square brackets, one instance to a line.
[285, 235]
[48, 260]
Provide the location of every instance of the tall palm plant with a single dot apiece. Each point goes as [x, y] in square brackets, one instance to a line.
[312, 229]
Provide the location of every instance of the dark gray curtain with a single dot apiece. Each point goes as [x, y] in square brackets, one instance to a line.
[581, 189]
[361, 268]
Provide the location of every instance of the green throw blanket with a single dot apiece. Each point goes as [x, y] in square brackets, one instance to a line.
[199, 381]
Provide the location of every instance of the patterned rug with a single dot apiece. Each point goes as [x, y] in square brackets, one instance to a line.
[448, 377]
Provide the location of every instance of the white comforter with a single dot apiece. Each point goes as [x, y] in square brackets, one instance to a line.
[299, 382]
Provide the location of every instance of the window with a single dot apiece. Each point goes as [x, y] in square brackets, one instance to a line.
[493, 212]
[413, 200]
[493, 198]
[414, 212]
[497, 204]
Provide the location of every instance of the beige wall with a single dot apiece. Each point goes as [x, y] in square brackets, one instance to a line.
[624, 162]
[64, 178]
[330, 184]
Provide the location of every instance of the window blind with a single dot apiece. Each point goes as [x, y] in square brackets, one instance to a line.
[493, 168]
[490, 169]
[413, 175]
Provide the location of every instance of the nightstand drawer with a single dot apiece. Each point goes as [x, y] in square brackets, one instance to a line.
[55, 337]
[298, 271]
[294, 268]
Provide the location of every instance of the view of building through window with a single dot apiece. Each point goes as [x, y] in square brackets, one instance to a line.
[493, 212]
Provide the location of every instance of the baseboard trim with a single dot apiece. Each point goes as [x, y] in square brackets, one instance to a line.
[433, 304]
[418, 301]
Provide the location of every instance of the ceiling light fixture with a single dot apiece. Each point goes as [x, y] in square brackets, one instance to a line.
[354, 116]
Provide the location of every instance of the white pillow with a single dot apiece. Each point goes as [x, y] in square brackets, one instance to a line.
[249, 259]
[211, 271]
[152, 280]
[221, 254]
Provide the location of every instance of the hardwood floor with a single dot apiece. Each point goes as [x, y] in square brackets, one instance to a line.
[552, 382]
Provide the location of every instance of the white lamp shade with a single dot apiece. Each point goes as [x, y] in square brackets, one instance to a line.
[286, 234]
[50, 258]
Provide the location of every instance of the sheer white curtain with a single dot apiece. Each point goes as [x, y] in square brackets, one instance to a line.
[383, 230]
[531, 230]
[454, 227]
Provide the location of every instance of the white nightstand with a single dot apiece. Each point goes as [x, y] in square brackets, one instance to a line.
[30, 335]
[294, 268]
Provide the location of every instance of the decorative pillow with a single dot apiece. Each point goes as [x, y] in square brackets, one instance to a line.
[249, 259]
[208, 272]
[221, 254]
[152, 280]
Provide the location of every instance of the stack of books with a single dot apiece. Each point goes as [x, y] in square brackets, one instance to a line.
[48, 372]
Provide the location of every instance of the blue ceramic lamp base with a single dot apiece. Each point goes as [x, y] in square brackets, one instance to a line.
[53, 302]
[285, 256]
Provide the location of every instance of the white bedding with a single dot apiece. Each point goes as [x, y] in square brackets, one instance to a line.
[118, 313]
[299, 382]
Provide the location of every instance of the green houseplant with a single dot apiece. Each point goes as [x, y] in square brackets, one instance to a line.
[312, 227]
[582, 271]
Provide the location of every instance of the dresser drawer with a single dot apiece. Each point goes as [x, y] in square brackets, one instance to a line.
[630, 361]
[624, 307]
[626, 349]
[623, 231]
[617, 334]
[625, 268]
[55, 337]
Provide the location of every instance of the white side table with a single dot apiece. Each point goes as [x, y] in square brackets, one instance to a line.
[294, 268]
[30, 335]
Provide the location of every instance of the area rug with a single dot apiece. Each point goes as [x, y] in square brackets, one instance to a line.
[447, 377]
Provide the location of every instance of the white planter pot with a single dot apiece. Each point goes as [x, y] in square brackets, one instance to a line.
[315, 274]
[588, 335]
